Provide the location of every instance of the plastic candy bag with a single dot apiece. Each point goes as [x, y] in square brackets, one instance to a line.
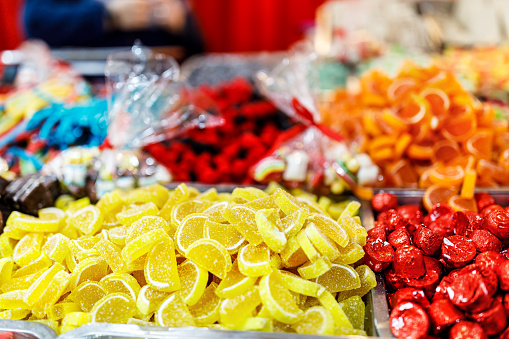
[148, 102]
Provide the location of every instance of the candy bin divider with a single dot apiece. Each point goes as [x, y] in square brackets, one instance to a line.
[26, 329]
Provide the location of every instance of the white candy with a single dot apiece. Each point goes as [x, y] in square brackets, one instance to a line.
[367, 175]
[296, 166]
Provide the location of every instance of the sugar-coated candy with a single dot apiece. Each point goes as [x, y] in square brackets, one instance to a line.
[248, 260]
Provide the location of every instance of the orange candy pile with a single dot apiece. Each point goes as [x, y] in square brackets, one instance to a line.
[423, 128]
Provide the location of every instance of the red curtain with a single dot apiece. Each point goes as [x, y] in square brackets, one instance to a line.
[253, 25]
[10, 24]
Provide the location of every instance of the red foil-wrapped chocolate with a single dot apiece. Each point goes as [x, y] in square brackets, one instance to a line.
[409, 320]
[413, 213]
[378, 254]
[409, 294]
[409, 262]
[475, 220]
[377, 233]
[506, 305]
[443, 225]
[433, 264]
[443, 313]
[489, 259]
[490, 209]
[467, 330]
[502, 271]
[458, 251]
[399, 237]
[505, 334]
[461, 223]
[428, 241]
[493, 320]
[483, 200]
[485, 241]
[391, 220]
[393, 281]
[428, 282]
[384, 201]
[497, 223]
[439, 210]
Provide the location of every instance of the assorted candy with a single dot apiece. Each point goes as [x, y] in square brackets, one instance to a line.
[423, 128]
[447, 271]
[249, 260]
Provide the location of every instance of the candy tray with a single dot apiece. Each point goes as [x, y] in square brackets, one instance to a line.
[375, 304]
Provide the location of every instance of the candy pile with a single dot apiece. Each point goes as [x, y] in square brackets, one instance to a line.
[449, 271]
[246, 261]
[224, 153]
[423, 128]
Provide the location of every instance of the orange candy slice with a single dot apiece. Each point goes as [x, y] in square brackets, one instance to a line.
[437, 194]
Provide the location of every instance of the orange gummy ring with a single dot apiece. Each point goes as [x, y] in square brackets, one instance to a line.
[438, 101]
[445, 150]
[414, 111]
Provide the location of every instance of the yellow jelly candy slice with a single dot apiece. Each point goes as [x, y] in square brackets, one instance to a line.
[63, 201]
[139, 322]
[149, 299]
[142, 244]
[112, 254]
[211, 256]
[243, 219]
[31, 224]
[262, 203]
[215, 212]
[293, 255]
[118, 235]
[35, 266]
[121, 283]
[258, 324]
[10, 232]
[235, 311]
[311, 204]
[225, 234]
[316, 320]
[153, 193]
[173, 312]
[329, 302]
[294, 222]
[136, 212]
[186, 208]
[6, 266]
[52, 293]
[21, 283]
[210, 194]
[144, 225]
[315, 269]
[113, 308]
[92, 269]
[138, 264]
[93, 253]
[27, 249]
[269, 226]
[235, 283]
[56, 247]
[110, 202]
[339, 278]
[206, 310]
[58, 311]
[248, 193]
[14, 314]
[324, 203]
[33, 294]
[6, 247]
[254, 261]
[65, 329]
[87, 294]
[355, 310]
[307, 246]
[356, 231]
[287, 202]
[278, 300]
[76, 319]
[321, 242]
[276, 262]
[13, 299]
[351, 209]
[296, 284]
[88, 220]
[330, 227]
[350, 254]
[194, 280]
[161, 267]
[368, 281]
[190, 230]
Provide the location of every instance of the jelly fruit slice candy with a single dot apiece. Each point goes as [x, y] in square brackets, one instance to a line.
[225, 234]
[161, 267]
[114, 308]
[316, 320]
[254, 261]
[278, 300]
[235, 311]
[173, 312]
[194, 280]
[206, 310]
[211, 256]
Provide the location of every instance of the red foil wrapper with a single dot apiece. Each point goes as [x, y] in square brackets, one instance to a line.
[483, 200]
[475, 220]
[489, 259]
[502, 270]
[384, 201]
[411, 212]
[492, 320]
[467, 330]
[428, 241]
[409, 320]
[443, 225]
[506, 305]
[399, 237]
[377, 234]
[428, 283]
[393, 281]
[485, 241]
[409, 294]
[433, 264]
[497, 223]
[443, 313]
[379, 254]
[505, 334]
[461, 223]
[490, 209]
[458, 251]
[391, 220]
[409, 262]
[439, 210]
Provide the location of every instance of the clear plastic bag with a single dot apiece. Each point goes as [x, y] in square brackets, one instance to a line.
[148, 102]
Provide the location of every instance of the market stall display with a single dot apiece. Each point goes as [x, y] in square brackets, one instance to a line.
[445, 270]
